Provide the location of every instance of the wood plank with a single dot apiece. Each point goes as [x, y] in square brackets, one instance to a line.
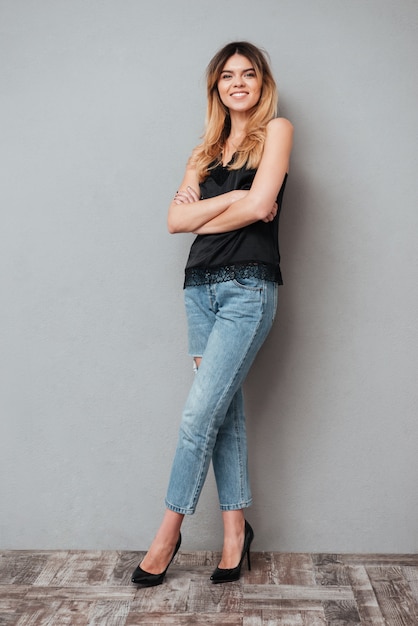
[262, 569]
[86, 593]
[21, 567]
[125, 564]
[280, 568]
[171, 597]
[185, 619]
[253, 617]
[198, 565]
[380, 559]
[105, 613]
[273, 617]
[394, 595]
[330, 570]
[200, 558]
[294, 618]
[9, 610]
[345, 612]
[8, 592]
[283, 604]
[205, 597]
[267, 593]
[367, 604]
[411, 575]
[51, 614]
[86, 568]
[53, 564]
[293, 569]
[7, 619]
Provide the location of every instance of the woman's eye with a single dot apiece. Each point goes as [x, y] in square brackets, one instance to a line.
[250, 75]
[226, 75]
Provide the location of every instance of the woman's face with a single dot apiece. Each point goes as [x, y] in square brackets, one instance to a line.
[238, 85]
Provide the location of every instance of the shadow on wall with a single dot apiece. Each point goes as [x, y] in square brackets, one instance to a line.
[270, 386]
[272, 363]
[285, 389]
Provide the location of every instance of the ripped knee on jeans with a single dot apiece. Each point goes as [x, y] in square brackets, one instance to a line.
[196, 362]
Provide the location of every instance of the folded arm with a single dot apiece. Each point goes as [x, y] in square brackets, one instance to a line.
[187, 213]
[239, 208]
[260, 202]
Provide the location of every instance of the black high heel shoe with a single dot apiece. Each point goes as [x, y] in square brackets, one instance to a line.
[230, 575]
[141, 577]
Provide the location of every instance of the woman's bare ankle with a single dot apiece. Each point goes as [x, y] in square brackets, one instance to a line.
[164, 543]
[234, 533]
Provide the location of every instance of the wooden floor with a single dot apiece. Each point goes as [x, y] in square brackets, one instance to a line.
[86, 588]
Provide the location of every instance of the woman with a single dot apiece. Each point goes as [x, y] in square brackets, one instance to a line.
[230, 197]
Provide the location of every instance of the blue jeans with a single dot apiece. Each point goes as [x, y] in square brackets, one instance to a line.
[228, 323]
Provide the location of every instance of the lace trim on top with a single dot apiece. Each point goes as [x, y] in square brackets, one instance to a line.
[203, 275]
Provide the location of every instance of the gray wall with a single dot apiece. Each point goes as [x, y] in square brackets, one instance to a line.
[101, 103]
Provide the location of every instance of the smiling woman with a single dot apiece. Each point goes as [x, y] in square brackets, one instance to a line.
[239, 86]
[230, 197]
[239, 89]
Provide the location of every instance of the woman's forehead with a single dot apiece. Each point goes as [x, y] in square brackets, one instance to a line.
[237, 61]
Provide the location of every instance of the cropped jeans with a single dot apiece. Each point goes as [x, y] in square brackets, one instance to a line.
[228, 322]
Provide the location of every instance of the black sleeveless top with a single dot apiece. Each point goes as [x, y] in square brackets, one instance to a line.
[252, 251]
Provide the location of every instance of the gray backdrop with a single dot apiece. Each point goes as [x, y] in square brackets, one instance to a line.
[101, 103]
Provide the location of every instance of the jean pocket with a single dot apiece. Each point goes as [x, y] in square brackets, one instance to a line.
[251, 283]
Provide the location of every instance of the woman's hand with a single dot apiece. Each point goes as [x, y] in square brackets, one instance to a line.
[270, 217]
[186, 196]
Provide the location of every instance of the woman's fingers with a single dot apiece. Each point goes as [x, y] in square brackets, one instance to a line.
[270, 217]
[193, 194]
[181, 197]
[184, 196]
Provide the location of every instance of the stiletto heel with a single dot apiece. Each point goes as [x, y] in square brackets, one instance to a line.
[141, 577]
[230, 575]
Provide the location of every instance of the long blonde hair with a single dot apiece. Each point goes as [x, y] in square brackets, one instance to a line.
[218, 122]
